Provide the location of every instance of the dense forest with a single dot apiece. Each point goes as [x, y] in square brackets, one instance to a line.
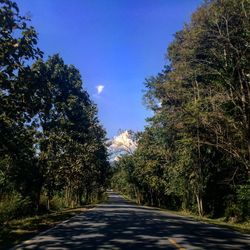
[195, 151]
[52, 145]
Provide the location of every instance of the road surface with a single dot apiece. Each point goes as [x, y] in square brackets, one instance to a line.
[119, 224]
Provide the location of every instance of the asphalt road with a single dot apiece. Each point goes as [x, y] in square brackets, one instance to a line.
[118, 224]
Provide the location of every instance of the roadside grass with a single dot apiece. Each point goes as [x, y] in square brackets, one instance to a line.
[243, 227]
[15, 231]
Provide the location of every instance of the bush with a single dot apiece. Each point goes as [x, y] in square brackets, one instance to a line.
[14, 206]
[233, 213]
[243, 199]
[57, 202]
[238, 209]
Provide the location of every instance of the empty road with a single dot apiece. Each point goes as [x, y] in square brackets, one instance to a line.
[119, 224]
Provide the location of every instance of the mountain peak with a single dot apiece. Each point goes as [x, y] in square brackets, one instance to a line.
[123, 143]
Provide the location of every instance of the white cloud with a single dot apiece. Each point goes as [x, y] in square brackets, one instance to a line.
[99, 89]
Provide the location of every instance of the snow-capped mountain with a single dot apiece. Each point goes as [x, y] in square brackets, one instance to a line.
[123, 143]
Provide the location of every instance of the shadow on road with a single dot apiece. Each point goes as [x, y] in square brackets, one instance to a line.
[119, 224]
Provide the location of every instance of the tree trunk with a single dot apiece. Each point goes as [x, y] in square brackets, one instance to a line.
[199, 204]
[48, 203]
[38, 196]
[151, 198]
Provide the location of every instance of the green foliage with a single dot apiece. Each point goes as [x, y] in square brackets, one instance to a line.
[233, 213]
[17, 46]
[243, 200]
[195, 151]
[51, 140]
[122, 175]
[72, 147]
[14, 206]
[57, 202]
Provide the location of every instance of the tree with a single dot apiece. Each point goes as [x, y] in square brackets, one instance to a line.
[72, 140]
[51, 140]
[17, 48]
[196, 146]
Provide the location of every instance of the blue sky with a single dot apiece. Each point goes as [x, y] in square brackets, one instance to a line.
[114, 43]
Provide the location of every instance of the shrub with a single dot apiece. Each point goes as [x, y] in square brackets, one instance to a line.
[243, 199]
[233, 213]
[57, 202]
[14, 206]
[238, 209]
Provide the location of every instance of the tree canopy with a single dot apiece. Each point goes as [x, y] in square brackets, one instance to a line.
[51, 141]
[194, 152]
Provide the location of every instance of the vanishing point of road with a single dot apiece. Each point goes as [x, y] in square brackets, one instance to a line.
[119, 224]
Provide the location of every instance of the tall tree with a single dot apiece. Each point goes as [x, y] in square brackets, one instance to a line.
[72, 140]
[17, 48]
[199, 134]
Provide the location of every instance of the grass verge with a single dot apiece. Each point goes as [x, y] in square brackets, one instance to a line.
[243, 227]
[16, 231]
